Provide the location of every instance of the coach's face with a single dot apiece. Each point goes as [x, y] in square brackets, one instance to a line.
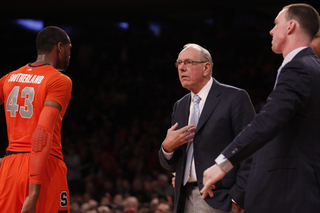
[193, 76]
[279, 32]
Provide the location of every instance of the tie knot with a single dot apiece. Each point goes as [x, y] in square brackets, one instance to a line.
[196, 99]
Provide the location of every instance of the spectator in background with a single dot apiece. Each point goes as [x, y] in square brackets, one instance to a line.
[131, 203]
[118, 199]
[165, 188]
[153, 205]
[73, 162]
[104, 209]
[164, 208]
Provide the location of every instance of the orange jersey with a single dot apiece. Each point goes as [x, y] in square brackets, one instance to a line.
[23, 93]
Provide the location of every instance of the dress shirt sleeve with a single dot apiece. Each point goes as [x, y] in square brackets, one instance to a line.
[167, 155]
[224, 163]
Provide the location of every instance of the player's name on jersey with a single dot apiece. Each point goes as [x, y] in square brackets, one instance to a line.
[26, 78]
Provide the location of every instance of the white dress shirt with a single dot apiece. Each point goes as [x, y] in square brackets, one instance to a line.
[203, 95]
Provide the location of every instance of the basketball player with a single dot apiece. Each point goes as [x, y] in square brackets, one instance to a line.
[35, 98]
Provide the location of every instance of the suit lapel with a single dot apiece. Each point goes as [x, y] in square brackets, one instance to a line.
[211, 103]
[183, 120]
[185, 109]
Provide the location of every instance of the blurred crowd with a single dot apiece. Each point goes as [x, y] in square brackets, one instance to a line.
[124, 87]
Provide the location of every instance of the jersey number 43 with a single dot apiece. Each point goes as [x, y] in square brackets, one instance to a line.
[26, 110]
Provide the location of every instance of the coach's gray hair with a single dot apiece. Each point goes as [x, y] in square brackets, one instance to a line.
[204, 53]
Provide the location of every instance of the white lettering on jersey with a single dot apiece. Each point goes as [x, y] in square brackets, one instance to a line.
[26, 78]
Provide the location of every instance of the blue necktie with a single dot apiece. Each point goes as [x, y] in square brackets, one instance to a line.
[193, 120]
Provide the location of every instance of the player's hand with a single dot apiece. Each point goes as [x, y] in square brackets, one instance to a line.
[29, 205]
[210, 177]
[176, 138]
[1, 159]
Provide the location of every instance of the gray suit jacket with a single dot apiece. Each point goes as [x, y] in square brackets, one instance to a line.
[285, 175]
[226, 112]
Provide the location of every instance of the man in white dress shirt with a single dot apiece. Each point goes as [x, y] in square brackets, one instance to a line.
[222, 111]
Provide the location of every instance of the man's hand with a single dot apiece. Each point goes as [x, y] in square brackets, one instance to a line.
[210, 177]
[1, 159]
[176, 138]
[173, 181]
[29, 205]
[237, 208]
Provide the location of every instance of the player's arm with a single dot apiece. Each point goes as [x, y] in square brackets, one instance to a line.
[41, 145]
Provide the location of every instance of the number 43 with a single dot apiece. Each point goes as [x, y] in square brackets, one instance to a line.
[25, 111]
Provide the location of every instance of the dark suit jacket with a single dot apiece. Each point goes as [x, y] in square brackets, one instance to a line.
[285, 175]
[226, 112]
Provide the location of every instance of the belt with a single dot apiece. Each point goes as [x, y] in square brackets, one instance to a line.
[192, 184]
[14, 153]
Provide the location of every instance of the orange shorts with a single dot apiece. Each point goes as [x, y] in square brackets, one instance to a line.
[14, 185]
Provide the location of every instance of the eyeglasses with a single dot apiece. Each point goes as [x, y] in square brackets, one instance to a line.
[188, 63]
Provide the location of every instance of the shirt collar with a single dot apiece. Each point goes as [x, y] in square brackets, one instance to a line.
[204, 91]
[291, 55]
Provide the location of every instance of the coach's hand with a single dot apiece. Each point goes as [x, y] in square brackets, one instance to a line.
[177, 137]
[29, 205]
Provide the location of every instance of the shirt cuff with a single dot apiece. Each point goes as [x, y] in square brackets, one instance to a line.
[224, 163]
[167, 155]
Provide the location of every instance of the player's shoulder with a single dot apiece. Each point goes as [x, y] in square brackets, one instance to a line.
[61, 80]
[64, 77]
[50, 70]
